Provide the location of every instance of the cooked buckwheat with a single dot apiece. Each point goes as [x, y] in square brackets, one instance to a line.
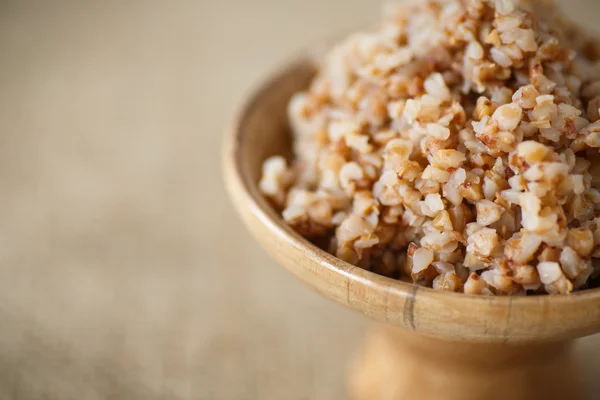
[456, 146]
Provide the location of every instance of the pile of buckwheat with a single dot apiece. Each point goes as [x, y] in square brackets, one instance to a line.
[456, 147]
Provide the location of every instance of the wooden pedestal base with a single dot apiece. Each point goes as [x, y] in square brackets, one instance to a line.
[397, 364]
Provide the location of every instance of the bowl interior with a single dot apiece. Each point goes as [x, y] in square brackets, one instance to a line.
[259, 130]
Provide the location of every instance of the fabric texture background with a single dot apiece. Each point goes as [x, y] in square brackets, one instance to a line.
[124, 272]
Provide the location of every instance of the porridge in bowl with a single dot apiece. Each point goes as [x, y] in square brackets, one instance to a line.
[456, 147]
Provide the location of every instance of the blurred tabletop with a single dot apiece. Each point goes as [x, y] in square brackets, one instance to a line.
[124, 272]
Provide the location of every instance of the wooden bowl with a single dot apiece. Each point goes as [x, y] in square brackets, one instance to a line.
[425, 344]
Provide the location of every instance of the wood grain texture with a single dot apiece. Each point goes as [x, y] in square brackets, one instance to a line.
[260, 130]
[396, 364]
[506, 346]
[124, 272]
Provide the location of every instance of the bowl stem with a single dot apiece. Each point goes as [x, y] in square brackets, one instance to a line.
[398, 364]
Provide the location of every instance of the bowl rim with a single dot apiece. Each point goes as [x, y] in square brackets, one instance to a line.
[240, 181]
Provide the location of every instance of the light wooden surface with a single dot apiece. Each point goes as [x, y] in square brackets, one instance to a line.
[396, 364]
[124, 273]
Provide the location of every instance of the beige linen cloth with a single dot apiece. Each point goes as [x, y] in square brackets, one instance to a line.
[124, 273]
